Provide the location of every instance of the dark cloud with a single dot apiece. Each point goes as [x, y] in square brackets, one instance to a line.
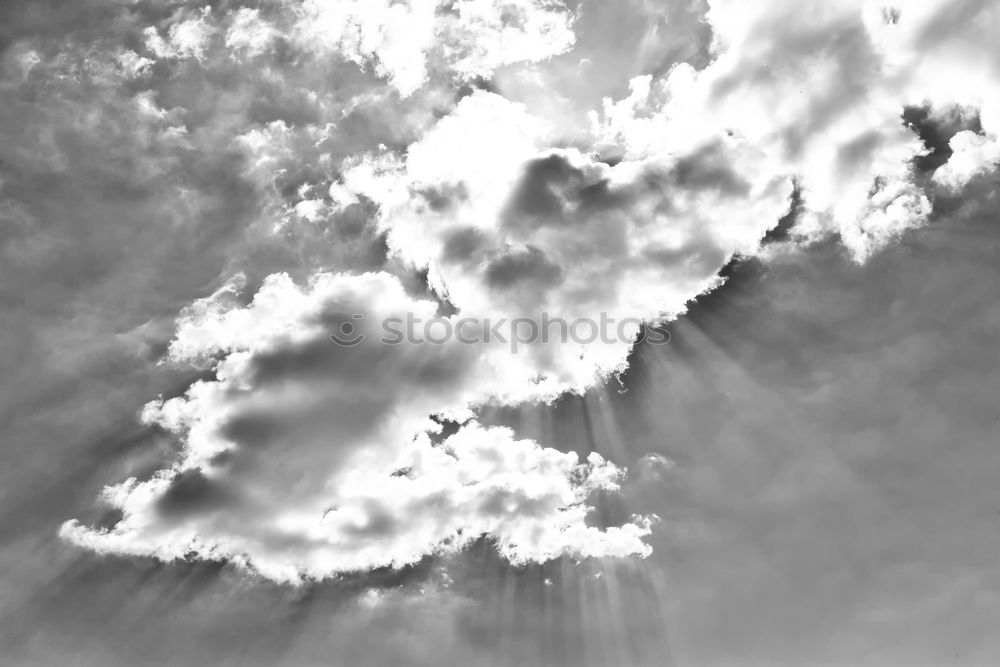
[463, 244]
[698, 255]
[523, 268]
[782, 231]
[936, 130]
[709, 168]
[554, 192]
[442, 198]
[191, 492]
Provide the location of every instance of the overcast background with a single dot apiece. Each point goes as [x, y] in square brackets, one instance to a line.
[819, 438]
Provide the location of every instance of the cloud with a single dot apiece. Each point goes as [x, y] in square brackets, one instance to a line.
[558, 232]
[469, 38]
[509, 228]
[185, 39]
[307, 459]
[403, 41]
[302, 458]
[249, 33]
[820, 89]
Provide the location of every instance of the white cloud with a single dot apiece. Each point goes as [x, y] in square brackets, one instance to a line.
[509, 229]
[483, 35]
[132, 64]
[974, 154]
[27, 59]
[185, 39]
[310, 209]
[304, 458]
[819, 88]
[394, 35]
[249, 33]
[402, 41]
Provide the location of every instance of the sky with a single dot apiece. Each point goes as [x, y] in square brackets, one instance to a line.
[796, 466]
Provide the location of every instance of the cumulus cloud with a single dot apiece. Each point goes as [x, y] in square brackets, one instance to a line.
[820, 89]
[403, 41]
[185, 39]
[249, 34]
[307, 459]
[467, 37]
[532, 230]
[302, 458]
[556, 232]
